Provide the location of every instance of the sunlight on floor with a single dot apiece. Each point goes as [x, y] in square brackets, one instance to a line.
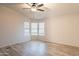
[36, 48]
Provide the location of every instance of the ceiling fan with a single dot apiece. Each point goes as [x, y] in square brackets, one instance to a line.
[35, 6]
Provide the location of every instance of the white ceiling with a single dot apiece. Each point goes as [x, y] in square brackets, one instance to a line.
[30, 14]
[53, 8]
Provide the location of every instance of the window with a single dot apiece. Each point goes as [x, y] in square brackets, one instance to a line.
[26, 28]
[41, 29]
[34, 29]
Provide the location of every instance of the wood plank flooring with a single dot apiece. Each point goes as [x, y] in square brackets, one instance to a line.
[53, 49]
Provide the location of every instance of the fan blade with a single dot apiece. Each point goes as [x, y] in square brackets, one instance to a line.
[26, 5]
[29, 4]
[40, 5]
[40, 9]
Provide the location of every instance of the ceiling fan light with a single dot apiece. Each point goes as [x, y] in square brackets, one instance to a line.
[33, 9]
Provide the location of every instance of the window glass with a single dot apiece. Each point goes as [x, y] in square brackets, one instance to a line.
[34, 29]
[26, 28]
[41, 29]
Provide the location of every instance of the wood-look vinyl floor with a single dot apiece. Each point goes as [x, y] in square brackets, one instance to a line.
[39, 49]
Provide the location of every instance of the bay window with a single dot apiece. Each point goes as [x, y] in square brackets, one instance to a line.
[34, 28]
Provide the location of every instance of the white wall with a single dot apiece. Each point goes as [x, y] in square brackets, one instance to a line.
[11, 27]
[63, 29]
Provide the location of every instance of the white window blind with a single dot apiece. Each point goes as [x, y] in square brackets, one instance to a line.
[26, 28]
[41, 29]
[34, 28]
